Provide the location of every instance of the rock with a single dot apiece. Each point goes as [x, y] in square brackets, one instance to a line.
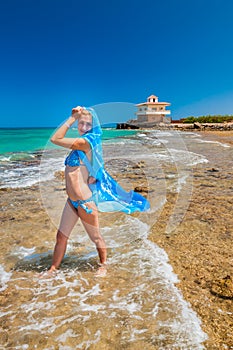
[197, 125]
[5, 189]
[223, 288]
[126, 126]
[141, 189]
[139, 165]
[213, 170]
[60, 175]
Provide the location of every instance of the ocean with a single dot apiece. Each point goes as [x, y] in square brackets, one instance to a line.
[137, 304]
[18, 140]
[21, 151]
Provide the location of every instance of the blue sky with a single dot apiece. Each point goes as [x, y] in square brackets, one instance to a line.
[56, 54]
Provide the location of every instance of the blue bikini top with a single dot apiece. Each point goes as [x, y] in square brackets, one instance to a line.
[73, 159]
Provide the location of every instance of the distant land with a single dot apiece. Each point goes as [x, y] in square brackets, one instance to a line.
[208, 119]
[108, 125]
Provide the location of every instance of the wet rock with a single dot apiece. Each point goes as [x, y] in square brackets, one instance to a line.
[132, 176]
[223, 288]
[4, 337]
[213, 170]
[197, 281]
[141, 189]
[5, 189]
[60, 175]
[139, 165]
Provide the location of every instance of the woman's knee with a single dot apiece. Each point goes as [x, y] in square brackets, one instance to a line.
[99, 241]
[61, 238]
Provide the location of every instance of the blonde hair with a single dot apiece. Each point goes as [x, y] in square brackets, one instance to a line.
[85, 112]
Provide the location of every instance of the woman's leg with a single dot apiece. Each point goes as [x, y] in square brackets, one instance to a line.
[91, 225]
[68, 220]
[59, 250]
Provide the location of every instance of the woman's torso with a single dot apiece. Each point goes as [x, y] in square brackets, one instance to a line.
[76, 176]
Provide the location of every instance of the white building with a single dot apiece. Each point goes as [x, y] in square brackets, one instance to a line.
[153, 111]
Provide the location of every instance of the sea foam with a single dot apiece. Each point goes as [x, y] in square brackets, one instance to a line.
[4, 278]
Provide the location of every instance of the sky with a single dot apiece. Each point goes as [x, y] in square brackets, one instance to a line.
[57, 54]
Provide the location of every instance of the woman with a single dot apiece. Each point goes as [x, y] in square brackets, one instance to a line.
[89, 187]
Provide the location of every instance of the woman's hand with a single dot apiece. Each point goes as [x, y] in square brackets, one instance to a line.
[59, 138]
[77, 111]
[91, 180]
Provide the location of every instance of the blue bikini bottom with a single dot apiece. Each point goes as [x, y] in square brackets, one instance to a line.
[81, 203]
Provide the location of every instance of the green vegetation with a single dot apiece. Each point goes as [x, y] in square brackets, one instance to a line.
[209, 119]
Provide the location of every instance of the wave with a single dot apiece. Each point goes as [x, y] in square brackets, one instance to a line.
[4, 278]
[216, 142]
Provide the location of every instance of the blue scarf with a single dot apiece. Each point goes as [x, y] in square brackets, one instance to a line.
[109, 195]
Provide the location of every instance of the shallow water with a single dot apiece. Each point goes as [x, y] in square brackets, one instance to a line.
[137, 304]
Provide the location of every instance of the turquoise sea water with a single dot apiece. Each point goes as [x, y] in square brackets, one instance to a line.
[35, 139]
[21, 151]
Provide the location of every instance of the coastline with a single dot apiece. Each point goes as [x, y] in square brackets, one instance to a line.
[225, 136]
[196, 126]
[199, 250]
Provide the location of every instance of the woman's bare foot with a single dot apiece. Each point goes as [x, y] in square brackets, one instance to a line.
[52, 272]
[101, 271]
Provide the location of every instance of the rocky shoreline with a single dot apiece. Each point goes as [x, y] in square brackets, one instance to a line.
[199, 249]
[227, 126]
[203, 126]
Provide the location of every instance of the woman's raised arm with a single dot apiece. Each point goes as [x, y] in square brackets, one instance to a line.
[73, 143]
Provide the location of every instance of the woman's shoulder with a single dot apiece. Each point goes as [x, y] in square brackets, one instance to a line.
[81, 144]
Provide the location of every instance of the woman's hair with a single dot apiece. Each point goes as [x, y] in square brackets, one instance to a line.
[86, 112]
